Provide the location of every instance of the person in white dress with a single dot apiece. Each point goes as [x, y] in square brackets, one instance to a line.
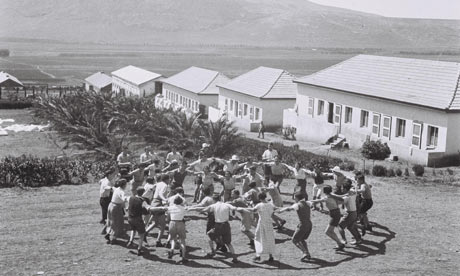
[264, 240]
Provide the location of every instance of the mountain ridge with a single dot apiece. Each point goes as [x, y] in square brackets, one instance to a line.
[223, 22]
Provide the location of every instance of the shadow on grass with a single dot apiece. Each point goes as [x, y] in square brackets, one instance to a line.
[368, 248]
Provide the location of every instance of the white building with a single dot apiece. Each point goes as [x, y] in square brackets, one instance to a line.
[258, 95]
[98, 82]
[412, 105]
[134, 81]
[192, 90]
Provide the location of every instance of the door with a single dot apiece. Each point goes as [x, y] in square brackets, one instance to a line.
[338, 117]
[330, 113]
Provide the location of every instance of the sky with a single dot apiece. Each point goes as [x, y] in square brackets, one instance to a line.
[439, 9]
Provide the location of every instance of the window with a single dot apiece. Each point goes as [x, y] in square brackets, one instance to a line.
[177, 97]
[320, 107]
[196, 106]
[416, 134]
[348, 114]
[245, 110]
[432, 140]
[364, 118]
[251, 113]
[337, 114]
[257, 113]
[236, 109]
[240, 110]
[231, 104]
[376, 124]
[400, 128]
[386, 132]
[311, 104]
[226, 104]
[180, 100]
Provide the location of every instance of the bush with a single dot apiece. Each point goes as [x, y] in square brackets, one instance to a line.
[398, 172]
[15, 104]
[378, 170]
[418, 170]
[29, 171]
[375, 150]
[391, 173]
[347, 166]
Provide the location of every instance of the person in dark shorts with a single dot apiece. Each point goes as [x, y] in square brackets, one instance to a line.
[137, 208]
[334, 213]
[304, 227]
[351, 216]
[221, 233]
[205, 202]
[365, 202]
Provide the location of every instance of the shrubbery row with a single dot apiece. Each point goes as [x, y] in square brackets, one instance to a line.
[379, 170]
[29, 171]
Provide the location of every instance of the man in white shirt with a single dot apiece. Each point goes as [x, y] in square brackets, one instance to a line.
[221, 233]
[160, 199]
[105, 191]
[269, 156]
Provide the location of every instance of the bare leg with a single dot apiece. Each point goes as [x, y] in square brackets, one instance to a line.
[300, 246]
[184, 248]
[232, 250]
[304, 243]
[331, 234]
[141, 241]
[342, 233]
[249, 234]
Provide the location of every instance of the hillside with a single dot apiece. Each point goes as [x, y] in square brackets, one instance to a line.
[248, 22]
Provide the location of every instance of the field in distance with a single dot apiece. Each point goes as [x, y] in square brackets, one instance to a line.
[65, 63]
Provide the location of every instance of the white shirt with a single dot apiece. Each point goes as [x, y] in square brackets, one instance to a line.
[172, 198]
[161, 191]
[123, 158]
[119, 196]
[105, 187]
[148, 156]
[149, 190]
[176, 212]
[221, 211]
[269, 155]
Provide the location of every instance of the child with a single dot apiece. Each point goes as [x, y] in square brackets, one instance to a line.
[366, 203]
[136, 208]
[304, 227]
[229, 184]
[318, 188]
[277, 201]
[247, 218]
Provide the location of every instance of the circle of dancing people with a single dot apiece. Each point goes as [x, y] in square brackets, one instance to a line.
[156, 200]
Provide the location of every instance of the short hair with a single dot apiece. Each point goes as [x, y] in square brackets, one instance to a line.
[270, 144]
[121, 183]
[253, 184]
[253, 168]
[140, 191]
[150, 180]
[262, 196]
[298, 163]
[216, 197]
[299, 196]
[236, 192]
[327, 189]
[157, 171]
[108, 172]
[165, 177]
[360, 177]
[207, 192]
[179, 190]
[178, 200]
[228, 172]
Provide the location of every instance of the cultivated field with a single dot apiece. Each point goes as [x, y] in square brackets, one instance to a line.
[65, 63]
[55, 230]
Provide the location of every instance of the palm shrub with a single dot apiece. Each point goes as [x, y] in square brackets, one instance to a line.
[221, 135]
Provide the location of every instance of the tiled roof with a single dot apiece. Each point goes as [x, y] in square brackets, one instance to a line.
[264, 82]
[427, 83]
[99, 79]
[135, 74]
[4, 76]
[197, 80]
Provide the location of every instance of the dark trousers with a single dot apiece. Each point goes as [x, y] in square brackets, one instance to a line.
[104, 201]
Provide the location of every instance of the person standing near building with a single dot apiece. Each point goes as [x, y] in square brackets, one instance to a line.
[304, 227]
[261, 130]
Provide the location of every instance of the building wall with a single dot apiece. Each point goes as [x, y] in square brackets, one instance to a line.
[270, 110]
[314, 127]
[89, 86]
[131, 89]
[200, 99]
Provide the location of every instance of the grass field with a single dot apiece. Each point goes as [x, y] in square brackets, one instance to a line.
[56, 230]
